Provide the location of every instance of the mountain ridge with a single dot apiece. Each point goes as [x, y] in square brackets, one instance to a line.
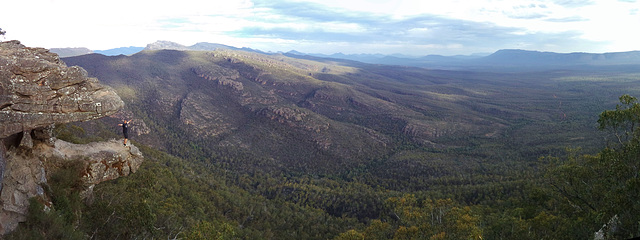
[501, 60]
[234, 99]
[119, 51]
[200, 46]
[517, 56]
[348, 138]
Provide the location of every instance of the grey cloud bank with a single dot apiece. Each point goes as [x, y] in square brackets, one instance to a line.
[411, 27]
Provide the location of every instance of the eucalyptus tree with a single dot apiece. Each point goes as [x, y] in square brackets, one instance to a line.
[602, 189]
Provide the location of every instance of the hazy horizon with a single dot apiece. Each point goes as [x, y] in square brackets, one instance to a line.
[415, 28]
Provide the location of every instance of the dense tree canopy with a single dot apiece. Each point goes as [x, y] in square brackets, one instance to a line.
[623, 121]
[458, 186]
[604, 188]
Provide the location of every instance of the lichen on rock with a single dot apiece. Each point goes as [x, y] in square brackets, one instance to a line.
[37, 91]
[102, 161]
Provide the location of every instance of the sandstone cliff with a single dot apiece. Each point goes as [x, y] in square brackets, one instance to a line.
[27, 171]
[37, 91]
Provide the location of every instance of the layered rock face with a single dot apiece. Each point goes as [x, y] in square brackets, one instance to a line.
[37, 91]
[27, 171]
[102, 160]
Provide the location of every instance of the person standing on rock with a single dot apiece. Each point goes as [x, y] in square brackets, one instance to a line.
[125, 130]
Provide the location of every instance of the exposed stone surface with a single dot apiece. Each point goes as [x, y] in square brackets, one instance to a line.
[24, 177]
[222, 76]
[27, 171]
[37, 89]
[104, 160]
[3, 162]
[608, 230]
[203, 118]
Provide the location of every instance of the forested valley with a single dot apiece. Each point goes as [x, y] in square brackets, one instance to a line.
[242, 145]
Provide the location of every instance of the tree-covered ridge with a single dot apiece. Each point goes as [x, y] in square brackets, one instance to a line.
[486, 180]
[278, 108]
[172, 198]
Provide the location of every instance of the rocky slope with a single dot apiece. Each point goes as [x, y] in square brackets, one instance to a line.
[37, 91]
[289, 114]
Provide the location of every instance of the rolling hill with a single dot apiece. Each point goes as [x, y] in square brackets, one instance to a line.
[277, 146]
[313, 116]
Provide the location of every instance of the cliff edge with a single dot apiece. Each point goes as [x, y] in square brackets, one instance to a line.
[37, 91]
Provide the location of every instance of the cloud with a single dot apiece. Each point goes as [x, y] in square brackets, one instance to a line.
[574, 3]
[305, 11]
[567, 19]
[528, 11]
[320, 24]
[356, 26]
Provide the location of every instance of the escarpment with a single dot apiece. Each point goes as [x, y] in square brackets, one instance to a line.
[38, 91]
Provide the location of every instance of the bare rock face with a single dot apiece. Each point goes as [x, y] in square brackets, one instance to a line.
[103, 160]
[27, 172]
[37, 89]
[24, 177]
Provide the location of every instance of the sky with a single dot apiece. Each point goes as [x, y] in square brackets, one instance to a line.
[410, 27]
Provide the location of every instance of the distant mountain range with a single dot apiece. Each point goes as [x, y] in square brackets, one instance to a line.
[502, 60]
[72, 52]
[119, 51]
[394, 59]
[512, 58]
[201, 46]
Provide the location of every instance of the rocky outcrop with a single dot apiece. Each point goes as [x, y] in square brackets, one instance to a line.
[28, 169]
[24, 177]
[283, 114]
[608, 230]
[37, 89]
[222, 76]
[102, 161]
